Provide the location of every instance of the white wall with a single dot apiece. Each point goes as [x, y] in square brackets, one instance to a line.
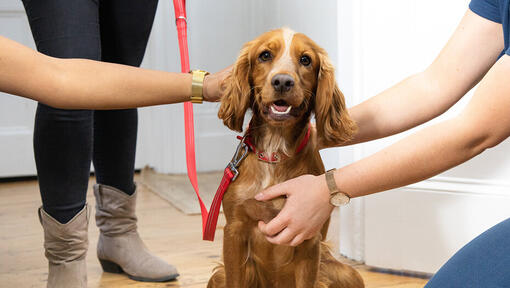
[215, 38]
[417, 227]
[16, 113]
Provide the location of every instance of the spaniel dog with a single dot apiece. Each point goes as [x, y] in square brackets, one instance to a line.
[284, 78]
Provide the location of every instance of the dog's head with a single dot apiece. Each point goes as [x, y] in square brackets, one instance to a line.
[283, 77]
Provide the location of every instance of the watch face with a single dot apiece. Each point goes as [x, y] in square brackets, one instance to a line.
[339, 199]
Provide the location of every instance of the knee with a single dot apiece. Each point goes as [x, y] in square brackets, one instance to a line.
[56, 114]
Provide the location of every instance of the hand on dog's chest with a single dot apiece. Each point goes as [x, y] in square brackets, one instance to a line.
[260, 211]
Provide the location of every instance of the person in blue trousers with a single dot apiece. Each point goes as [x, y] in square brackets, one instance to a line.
[477, 53]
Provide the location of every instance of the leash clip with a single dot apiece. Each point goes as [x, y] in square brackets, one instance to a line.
[239, 155]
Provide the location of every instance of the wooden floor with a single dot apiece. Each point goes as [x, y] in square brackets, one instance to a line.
[170, 234]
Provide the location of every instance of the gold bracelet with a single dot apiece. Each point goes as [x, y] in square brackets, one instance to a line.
[197, 86]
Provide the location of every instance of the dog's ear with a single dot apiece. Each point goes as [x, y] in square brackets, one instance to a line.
[236, 97]
[333, 123]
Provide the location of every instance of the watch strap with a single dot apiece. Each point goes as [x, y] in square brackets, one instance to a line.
[330, 181]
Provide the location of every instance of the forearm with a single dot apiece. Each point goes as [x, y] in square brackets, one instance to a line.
[484, 123]
[411, 102]
[415, 158]
[468, 55]
[88, 84]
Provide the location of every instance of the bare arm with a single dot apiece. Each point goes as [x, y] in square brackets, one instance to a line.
[484, 123]
[471, 51]
[87, 84]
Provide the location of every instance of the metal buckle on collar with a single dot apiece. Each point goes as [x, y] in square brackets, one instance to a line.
[239, 155]
[273, 159]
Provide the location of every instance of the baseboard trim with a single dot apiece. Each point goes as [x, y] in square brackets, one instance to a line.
[405, 273]
[465, 186]
[34, 177]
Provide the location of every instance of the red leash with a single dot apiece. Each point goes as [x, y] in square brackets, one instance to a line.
[189, 130]
[209, 219]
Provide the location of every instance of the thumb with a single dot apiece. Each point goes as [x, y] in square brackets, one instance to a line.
[272, 192]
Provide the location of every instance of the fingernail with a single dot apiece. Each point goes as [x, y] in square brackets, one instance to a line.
[259, 196]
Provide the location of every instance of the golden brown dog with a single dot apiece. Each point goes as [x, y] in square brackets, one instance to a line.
[284, 77]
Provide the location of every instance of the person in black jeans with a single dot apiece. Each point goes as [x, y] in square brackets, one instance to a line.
[65, 142]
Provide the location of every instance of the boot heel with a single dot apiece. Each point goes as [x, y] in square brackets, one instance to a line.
[110, 267]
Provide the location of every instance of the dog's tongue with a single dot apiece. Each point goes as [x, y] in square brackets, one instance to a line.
[280, 106]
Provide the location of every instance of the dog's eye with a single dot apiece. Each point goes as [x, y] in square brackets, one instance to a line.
[305, 60]
[265, 56]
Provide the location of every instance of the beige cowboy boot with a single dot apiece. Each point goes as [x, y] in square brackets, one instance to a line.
[65, 248]
[120, 248]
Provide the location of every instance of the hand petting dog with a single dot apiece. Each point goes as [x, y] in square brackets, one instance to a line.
[293, 225]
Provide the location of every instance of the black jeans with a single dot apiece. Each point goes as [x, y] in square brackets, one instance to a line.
[65, 141]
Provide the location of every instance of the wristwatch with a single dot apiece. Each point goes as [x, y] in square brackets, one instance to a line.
[336, 197]
[197, 86]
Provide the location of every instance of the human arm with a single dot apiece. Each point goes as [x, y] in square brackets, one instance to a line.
[472, 49]
[415, 158]
[87, 84]
[484, 123]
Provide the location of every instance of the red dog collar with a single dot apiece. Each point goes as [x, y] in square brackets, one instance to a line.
[275, 157]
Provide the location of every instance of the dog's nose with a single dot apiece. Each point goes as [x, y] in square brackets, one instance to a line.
[282, 82]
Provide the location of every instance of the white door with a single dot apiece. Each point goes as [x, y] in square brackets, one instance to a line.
[16, 113]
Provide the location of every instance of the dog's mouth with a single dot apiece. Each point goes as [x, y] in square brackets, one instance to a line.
[279, 110]
[280, 107]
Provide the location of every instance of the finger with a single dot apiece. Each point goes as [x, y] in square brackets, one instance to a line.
[283, 238]
[262, 227]
[272, 192]
[275, 226]
[297, 240]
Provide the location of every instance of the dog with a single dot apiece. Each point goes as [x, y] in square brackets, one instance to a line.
[283, 77]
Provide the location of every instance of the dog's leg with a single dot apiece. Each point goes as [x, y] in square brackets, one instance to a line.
[218, 278]
[337, 274]
[235, 255]
[307, 260]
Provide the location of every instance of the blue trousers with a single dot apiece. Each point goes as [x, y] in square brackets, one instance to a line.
[482, 263]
